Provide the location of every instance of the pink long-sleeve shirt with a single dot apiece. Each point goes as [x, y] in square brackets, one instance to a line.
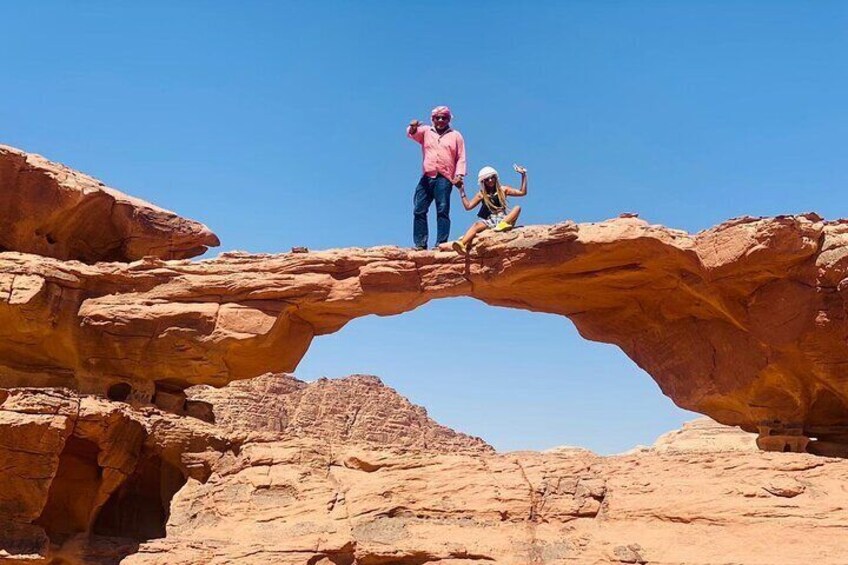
[443, 154]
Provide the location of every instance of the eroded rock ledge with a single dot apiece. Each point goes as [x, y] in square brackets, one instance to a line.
[92, 481]
[51, 210]
[744, 322]
[86, 480]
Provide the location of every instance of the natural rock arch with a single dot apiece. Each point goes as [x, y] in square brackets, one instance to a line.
[743, 322]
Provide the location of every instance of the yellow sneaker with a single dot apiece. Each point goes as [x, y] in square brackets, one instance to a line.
[503, 226]
[459, 247]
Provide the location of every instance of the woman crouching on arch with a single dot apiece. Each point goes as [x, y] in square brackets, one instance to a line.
[494, 212]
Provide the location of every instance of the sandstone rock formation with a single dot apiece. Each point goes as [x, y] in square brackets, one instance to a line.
[51, 210]
[366, 506]
[744, 322]
[94, 481]
[87, 479]
[705, 435]
[113, 448]
[357, 409]
[73, 467]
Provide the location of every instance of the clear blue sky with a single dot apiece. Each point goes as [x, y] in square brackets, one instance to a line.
[281, 124]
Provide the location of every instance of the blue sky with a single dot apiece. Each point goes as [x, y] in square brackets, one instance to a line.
[281, 124]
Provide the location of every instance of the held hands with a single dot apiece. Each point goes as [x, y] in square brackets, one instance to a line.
[458, 182]
[519, 169]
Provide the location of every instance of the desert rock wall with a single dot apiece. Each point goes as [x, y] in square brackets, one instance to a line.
[744, 322]
[144, 416]
[94, 481]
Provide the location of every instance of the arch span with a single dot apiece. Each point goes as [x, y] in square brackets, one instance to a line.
[744, 322]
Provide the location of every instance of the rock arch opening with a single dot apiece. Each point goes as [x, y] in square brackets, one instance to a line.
[140, 508]
[506, 375]
[119, 392]
[93, 510]
[73, 491]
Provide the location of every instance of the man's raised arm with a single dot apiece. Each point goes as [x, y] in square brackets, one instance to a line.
[415, 131]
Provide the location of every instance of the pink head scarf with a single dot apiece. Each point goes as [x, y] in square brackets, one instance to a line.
[441, 110]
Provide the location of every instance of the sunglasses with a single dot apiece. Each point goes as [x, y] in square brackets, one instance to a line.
[441, 118]
[487, 179]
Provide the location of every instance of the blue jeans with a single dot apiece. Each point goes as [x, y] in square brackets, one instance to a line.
[428, 189]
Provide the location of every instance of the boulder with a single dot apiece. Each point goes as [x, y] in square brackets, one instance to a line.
[51, 210]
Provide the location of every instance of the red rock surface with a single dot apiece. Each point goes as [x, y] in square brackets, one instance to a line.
[51, 210]
[94, 481]
[704, 435]
[744, 322]
[356, 409]
[75, 466]
[365, 506]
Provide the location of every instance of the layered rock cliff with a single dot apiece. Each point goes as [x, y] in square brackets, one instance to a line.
[114, 446]
[360, 505]
[744, 322]
[358, 409]
[93, 481]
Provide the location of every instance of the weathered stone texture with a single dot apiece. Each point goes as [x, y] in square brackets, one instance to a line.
[109, 452]
[744, 322]
[103, 483]
[51, 210]
[356, 409]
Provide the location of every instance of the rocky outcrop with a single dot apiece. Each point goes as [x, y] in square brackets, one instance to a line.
[93, 481]
[51, 210]
[83, 475]
[88, 479]
[358, 409]
[292, 503]
[704, 435]
[744, 322]
[126, 454]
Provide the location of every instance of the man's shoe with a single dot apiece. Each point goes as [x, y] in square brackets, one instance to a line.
[420, 248]
[459, 247]
[503, 226]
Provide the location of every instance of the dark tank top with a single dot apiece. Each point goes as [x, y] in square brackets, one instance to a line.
[484, 212]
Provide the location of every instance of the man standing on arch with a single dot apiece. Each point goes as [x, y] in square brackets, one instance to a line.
[444, 166]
